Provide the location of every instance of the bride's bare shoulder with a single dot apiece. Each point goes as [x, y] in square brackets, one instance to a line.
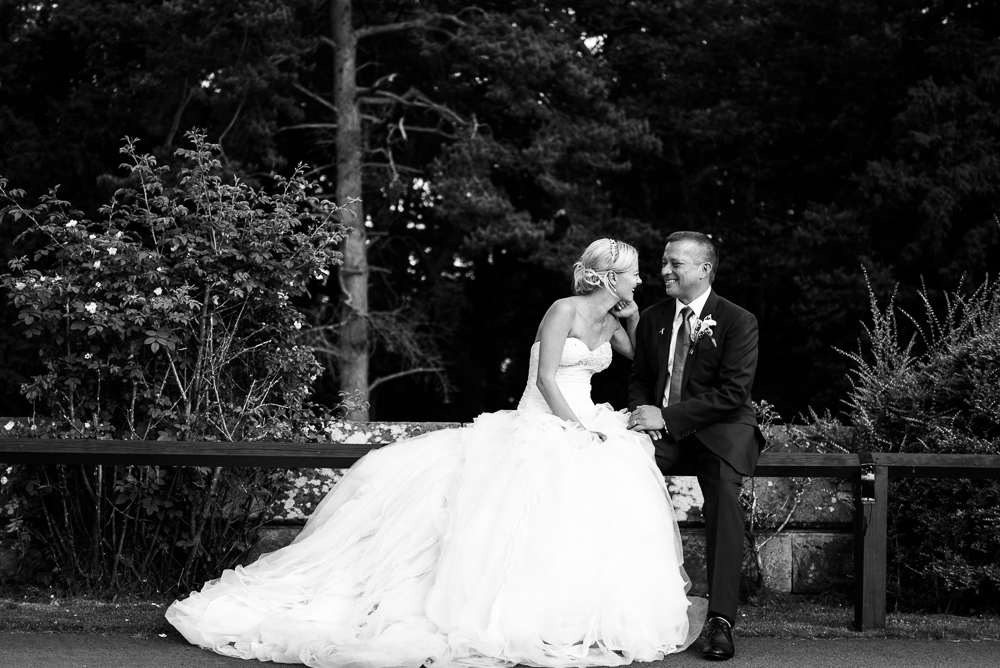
[563, 307]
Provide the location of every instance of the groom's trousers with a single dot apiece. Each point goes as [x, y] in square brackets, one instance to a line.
[724, 524]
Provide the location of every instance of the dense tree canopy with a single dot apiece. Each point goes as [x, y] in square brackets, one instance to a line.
[817, 141]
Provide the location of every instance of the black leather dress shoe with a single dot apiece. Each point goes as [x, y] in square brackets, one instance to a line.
[718, 643]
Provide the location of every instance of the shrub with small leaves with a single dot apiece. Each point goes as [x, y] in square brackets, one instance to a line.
[937, 393]
[170, 319]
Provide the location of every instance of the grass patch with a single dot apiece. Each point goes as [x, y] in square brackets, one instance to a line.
[771, 619]
[809, 619]
[84, 615]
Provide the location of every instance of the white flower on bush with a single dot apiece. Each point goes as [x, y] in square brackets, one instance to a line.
[97, 284]
[158, 291]
[87, 356]
[72, 223]
[112, 251]
[97, 264]
[118, 235]
[297, 325]
[3, 480]
[91, 307]
[19, 285]
[9, 425]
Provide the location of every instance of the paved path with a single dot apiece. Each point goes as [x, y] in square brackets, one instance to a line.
[56, 650]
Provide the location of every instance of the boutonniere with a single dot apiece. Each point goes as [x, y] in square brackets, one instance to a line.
[702, 327]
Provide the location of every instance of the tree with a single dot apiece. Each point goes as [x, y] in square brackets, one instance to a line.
[351, 344]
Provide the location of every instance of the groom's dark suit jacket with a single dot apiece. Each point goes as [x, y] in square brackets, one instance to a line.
[715, 401]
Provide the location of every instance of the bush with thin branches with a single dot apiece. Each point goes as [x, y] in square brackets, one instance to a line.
[169, 319]
[939, 392]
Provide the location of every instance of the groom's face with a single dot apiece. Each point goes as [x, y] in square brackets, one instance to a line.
[684, 271]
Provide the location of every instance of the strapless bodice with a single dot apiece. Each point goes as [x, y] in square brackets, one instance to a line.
[576, 367]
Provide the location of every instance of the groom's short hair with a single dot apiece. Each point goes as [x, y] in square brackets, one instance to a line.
[708, 248]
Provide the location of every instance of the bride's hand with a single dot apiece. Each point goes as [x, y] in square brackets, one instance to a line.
[600, 435]
[625, 309]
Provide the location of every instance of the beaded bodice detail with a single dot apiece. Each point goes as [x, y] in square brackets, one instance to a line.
[576, 367]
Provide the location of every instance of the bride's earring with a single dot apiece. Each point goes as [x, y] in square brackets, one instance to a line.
[612, 283]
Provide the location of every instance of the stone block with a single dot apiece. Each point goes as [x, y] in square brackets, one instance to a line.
[823, 499]
[10, 563]
[693, 541]
[822, 562]
[271, 538]
[685, 495]
[776, 562]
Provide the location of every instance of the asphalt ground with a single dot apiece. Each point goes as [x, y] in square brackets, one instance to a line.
[66, 650]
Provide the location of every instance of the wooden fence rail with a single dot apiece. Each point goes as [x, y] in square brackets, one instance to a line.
[870, 471]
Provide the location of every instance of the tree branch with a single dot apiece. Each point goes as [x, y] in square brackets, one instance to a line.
[317, 98]
[177, 116]
[369, 31]
[415, 98]
[399, 374]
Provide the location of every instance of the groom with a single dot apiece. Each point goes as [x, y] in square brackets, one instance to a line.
[694, 365]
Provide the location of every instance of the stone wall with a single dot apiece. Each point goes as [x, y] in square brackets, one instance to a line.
[813, 553]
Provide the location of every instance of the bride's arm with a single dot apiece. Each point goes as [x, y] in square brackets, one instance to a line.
[623, 340]
[552, 336]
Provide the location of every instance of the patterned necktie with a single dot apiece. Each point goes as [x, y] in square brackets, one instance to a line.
[680, 356]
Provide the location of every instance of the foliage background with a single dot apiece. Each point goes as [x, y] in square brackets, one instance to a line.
[937, 391]
[169, 318]
[812, 139]
[834, 148]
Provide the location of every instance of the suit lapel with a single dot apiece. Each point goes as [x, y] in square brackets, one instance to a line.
[664, 323]
[711, 305]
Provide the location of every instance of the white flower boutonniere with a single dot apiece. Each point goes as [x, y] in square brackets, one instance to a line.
[702, 327]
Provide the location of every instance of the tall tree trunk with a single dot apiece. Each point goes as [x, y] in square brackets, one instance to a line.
[353, 347]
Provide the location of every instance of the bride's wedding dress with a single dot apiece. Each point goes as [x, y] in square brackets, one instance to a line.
[517, 539]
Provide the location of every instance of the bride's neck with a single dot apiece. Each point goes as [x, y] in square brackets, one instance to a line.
[600, 302]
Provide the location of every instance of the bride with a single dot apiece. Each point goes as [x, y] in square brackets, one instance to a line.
[542, 536]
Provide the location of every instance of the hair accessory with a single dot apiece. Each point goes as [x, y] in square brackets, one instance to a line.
[614, 250]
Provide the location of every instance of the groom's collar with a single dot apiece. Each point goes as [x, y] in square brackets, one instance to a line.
[697, 305]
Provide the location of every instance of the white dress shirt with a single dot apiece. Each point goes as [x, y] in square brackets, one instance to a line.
[697, 305]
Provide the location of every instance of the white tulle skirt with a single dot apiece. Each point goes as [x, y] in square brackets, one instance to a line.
[513, 540]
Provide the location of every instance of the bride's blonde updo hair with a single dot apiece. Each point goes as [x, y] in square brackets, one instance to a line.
[598, 265]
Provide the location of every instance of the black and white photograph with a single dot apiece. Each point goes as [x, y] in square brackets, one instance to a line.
[549, 333]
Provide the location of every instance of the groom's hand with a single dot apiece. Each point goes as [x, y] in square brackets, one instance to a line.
[646, 418]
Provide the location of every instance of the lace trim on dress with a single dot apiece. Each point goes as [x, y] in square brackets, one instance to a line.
[599, 357]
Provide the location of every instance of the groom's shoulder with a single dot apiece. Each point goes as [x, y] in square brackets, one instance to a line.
[658, 307]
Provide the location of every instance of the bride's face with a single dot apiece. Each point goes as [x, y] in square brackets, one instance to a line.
[628, 281]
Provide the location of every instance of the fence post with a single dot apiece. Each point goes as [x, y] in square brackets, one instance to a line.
[870, 511]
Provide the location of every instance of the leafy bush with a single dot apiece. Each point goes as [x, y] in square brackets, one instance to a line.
[938, 393]
[171, 319]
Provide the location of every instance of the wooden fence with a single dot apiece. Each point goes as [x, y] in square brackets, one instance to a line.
[870, 471]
